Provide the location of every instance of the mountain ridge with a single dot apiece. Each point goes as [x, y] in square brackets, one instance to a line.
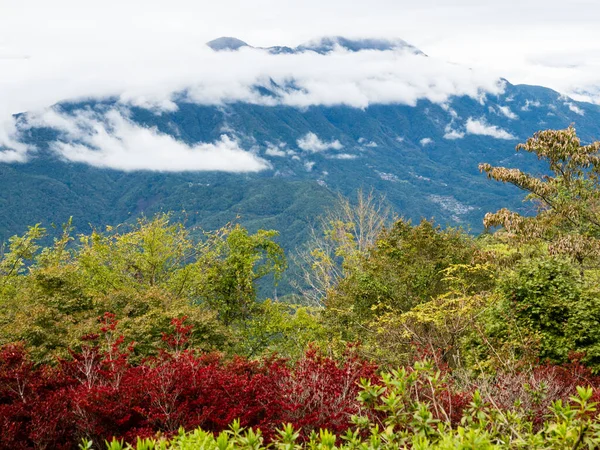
[322, 45]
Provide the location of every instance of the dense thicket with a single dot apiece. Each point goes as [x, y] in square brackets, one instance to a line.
[144, 328]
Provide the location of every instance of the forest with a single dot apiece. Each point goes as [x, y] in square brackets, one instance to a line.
[401, 335]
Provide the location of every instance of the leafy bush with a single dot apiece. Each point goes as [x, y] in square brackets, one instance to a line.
[416, 408]
[100, 393]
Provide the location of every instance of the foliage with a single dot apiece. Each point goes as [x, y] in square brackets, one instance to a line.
[283, 329]
[568, 200]
[235, 260]
[146, 328]
[100, 393]
[403, 269]
[344, 236]
[548, 297]
[146, 275]
[420, 407]
[440, 323]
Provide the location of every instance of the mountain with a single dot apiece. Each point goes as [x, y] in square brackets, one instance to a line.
[226, 43]
[423, 157]
[323, 45]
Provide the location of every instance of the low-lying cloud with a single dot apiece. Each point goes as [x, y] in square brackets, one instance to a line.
[113, 141]
[312, 143]
[199, 75]
[153, 78]
[506, 112]
[11, 150]
[481, 128]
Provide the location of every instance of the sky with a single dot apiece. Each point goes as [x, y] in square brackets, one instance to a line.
[145, 51]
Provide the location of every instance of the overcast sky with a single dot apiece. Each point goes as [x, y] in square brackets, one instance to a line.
[144, 50]
[550, 42]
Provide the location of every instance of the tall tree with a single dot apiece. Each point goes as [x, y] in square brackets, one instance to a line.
[567, 199]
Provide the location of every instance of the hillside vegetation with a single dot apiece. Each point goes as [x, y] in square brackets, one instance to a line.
[405, 335]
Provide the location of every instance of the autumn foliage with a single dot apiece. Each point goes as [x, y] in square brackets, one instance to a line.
[99, 394]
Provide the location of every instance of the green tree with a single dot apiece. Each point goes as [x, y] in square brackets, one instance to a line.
[146, 275]
[228, 270]
[403, 269]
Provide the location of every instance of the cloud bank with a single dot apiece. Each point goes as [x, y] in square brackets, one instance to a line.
[202, 76]
[113, 141]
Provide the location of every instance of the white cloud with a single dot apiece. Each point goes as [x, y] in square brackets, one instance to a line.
[153, 76]
[530, 103]
[574, 108]
[308, 165]
[65, 48]
[113, 141]
[481, 128]
[275, 150]
[452, 134]
[344, 156]
[505, 110]
[426, 141]
[155, 50]
[11, 150]
[364, 142]
[311, 143]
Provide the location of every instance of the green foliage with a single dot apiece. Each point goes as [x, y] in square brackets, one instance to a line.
[543, 293]
[230, 267]
[281, 328]
[403, 269]
[543, 308]
[406, 267]
[145, 274]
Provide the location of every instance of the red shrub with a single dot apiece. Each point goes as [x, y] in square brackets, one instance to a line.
[99, 393]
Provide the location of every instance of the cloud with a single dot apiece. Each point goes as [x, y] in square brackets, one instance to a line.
[11, 150]
[574, 108]
[426, 141]
[530, 103]
[451, 134]
[275, 150]
[481, 128]
[155, 78]
[344, 156]
[506, 112]
[112, 141]
[311, 143]
[371, 144]
[159, 44]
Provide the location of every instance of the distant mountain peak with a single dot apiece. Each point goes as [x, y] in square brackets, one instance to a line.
[323, 45]
[226, 43]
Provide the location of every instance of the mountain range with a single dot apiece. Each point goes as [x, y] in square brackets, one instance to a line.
[423, 157]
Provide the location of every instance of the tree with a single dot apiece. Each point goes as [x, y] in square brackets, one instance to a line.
[344, 235]
[551, 291]
[404, 268]
[231, 265]
[145, 274]
[568, 199]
